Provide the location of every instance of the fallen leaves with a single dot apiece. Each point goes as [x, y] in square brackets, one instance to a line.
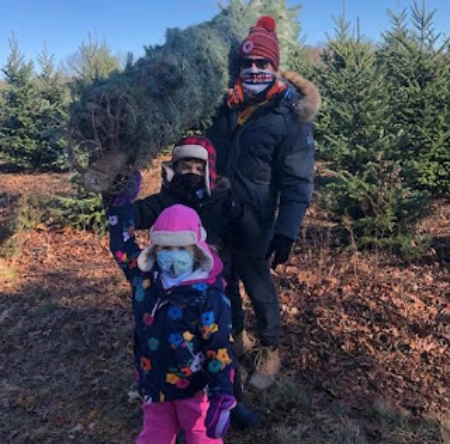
[356, 328]
[382, 335]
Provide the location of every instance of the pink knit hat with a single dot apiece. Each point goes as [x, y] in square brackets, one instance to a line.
[177, 226]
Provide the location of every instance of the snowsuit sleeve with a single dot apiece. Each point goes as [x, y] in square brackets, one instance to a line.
[294, 177]
[215, 327]
[122, 242]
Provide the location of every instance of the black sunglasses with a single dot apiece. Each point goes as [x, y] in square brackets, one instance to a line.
[259, 63]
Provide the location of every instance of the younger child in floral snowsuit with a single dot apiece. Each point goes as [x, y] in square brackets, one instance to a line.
[182, 323]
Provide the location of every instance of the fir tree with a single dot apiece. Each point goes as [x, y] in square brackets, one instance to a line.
[52, 119]
[367, 192]
[93, 60]
[19, 134]
[352, 126]
[174, 88]
[418, 83]
[2, 116]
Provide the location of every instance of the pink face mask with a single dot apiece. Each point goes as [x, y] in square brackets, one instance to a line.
[255, 80]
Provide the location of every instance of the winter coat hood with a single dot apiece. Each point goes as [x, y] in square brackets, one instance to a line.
[308, 107]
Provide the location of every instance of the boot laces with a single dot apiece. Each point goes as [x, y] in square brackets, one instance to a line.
[262, 358]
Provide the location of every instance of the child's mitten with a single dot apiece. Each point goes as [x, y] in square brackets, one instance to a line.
[131, 190]
[218, 417]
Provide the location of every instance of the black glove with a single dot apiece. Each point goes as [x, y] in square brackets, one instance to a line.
[232, 209]
[280, 245]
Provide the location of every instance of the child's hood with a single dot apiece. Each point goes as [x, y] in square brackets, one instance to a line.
[213, 274]
[177, 226]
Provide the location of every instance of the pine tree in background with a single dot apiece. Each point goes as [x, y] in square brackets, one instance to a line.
[418, 81]
[19, 134]
[2, 105]
[92, 61]
[352, 128]
[303, 62]
[34, 113]
[295, 55]
[52, 119]
[368, 195]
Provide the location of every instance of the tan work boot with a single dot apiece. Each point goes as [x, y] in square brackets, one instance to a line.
[243, 343]
[267, 363]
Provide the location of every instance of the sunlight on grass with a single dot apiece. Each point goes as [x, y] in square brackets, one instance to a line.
[7, 273]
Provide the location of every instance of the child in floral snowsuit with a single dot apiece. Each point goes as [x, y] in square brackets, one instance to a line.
[182, 323]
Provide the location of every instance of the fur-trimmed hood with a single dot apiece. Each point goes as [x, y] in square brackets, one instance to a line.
[307, 108]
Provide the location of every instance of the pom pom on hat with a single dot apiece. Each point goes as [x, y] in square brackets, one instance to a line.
[262, 41]
[266, 22]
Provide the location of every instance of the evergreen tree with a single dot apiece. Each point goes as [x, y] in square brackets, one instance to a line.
[93, 60]
[19, 134]
[52, 119]
[295, 55]
[92, 63]
[303, 62]
[418, 82]
[367, 192]
[352, 126]
[174, 88]
[2, 104]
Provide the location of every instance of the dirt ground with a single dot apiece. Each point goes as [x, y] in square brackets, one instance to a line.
[365, 342]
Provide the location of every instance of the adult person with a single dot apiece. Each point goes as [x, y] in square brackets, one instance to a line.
[264, 140]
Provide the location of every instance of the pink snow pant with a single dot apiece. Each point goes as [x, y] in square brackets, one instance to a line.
[163, 420]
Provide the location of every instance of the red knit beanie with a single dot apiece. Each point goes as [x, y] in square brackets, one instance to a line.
[262, 41]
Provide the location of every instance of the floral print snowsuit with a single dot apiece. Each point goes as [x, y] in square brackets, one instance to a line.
[183, 334]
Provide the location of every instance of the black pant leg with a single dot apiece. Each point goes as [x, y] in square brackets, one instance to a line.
[233, 293]
[255, 274]
[237, 383]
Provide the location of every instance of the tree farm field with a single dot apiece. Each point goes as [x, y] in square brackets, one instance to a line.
[365, 339]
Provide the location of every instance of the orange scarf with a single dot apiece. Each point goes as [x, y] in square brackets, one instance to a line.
[236, 98]
[236, 95]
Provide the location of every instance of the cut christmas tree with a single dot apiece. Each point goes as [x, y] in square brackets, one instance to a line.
[120, 123]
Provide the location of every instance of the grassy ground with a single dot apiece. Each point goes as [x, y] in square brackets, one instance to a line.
[365, 343]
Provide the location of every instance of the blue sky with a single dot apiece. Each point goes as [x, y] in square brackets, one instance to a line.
[129, 25]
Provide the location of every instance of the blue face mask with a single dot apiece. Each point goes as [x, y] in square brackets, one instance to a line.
[175, 263]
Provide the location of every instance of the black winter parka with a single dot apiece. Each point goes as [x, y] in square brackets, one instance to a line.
[270, 159]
